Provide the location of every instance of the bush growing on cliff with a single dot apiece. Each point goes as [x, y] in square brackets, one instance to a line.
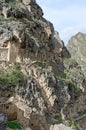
[13, 78]
[14, 125]
[74, 87]
[82, 112]
[73, 75]
[58, 117]
[73, 124]
[3, 78]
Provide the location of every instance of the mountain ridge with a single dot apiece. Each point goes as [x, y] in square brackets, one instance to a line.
[76, 46]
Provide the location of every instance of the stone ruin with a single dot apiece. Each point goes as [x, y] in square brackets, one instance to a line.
[4, 54]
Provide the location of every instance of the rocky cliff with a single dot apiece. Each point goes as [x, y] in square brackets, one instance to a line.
[40, 85]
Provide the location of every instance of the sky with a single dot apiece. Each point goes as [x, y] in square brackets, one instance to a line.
[67, 16]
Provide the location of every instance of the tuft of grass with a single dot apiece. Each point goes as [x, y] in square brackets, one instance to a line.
[16, 76]
[58, 117]
[74, 86]
[14, 125]
[82, 112]
[13, 78]
[73, 124]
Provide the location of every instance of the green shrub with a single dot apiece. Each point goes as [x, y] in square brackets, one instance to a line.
[71, 80]
[13, 78]
[58, 117]
[74, 86]
[3, 79]
[14, 125]
[73, 124]
[82, 112]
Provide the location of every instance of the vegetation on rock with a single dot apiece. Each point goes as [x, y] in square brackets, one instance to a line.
[13, 78]
[72, 124]
[14, 125]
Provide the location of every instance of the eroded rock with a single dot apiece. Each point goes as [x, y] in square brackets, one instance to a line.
[60, 127]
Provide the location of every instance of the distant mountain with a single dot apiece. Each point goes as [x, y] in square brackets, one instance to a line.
[77, 48]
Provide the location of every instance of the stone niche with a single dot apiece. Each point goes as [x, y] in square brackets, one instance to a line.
[10, 109]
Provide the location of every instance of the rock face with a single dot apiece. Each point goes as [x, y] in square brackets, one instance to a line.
[38, 79]
[77, 48]
[59, 127]
[24, 32]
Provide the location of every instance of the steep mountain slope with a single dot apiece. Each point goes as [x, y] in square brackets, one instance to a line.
[40, 85]
[77, 48]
